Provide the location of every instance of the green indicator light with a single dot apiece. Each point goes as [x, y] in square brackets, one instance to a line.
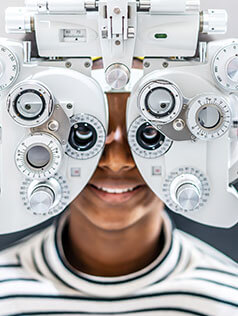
[160, 35]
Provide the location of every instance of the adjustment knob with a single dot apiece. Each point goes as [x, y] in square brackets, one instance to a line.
[117, 76]
[186, 191]
[18, 20]
[41, 199]
[188, 196]
[214, 21]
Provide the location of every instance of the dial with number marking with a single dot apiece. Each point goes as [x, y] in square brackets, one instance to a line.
[225, 67]
[146, 141]
[45, 197]
[208, 117]
[39, 156]
[186, 189]
[9, 68]
[87, 137]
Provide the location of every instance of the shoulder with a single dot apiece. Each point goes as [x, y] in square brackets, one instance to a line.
[18, 273]
[205, 279]
[203, 255]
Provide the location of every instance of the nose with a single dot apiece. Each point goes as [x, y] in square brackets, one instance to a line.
[117, 157]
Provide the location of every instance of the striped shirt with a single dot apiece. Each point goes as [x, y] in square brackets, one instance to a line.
[187, 278]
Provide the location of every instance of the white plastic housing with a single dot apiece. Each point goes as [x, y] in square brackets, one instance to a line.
[56, 6]
[168, 6]
[212, 158]
[68, 87]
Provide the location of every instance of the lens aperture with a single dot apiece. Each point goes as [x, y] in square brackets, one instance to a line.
[29, 104]
[160, 102]
[148, 137]
[232, 69]
[209, 117]
[38, 157]
[83, 136]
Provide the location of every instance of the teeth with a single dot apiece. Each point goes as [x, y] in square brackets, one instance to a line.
[117, 191]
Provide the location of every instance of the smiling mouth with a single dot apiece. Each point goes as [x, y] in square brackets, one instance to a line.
[116, 190]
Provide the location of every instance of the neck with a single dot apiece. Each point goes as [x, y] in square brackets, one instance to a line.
[100, 252]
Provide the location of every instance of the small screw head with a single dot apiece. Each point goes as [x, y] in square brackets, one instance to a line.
[87, 64]
[146, 64]
[178, 125]
[68, 64]
[53, 126]
[117, 10]
[69, 106]
[118, 42]
[165, 64]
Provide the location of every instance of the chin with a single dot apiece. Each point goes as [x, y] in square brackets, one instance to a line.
[113, 222]
[115, 217]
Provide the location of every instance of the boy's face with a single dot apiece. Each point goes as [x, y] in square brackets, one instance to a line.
[116, 171]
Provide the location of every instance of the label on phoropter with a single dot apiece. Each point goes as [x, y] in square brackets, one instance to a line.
[74, 35]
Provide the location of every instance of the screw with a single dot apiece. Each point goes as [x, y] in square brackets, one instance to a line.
[87, 64]
[117, 10]
[165, 64]
[69, 106]
[118, 42]
[178, 125]
[146, 64]
[28, 107]
[68, 64]
[53, 126]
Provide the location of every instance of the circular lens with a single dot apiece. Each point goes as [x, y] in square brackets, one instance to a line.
[38, 157]
[29, 104]
[160, 102]
[209, 117]
[82, 136]
[232, 69]
[148, 137]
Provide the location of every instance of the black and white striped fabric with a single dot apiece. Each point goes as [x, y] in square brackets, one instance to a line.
[187, 278]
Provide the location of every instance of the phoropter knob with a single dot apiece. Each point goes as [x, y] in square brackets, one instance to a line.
[117, 76]
[188, 196]
[186, 191]
[41, 199]
[214, 21]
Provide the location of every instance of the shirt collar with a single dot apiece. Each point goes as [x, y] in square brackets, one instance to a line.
[160, 269]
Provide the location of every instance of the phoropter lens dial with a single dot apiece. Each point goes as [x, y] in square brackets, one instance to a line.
[208, 117]
[87, 137]
[186, 189]
[146, 141]
[30, 104]
[45, 197]
[39, 156]
[160, 101]
[9, 68]
[225, 67]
